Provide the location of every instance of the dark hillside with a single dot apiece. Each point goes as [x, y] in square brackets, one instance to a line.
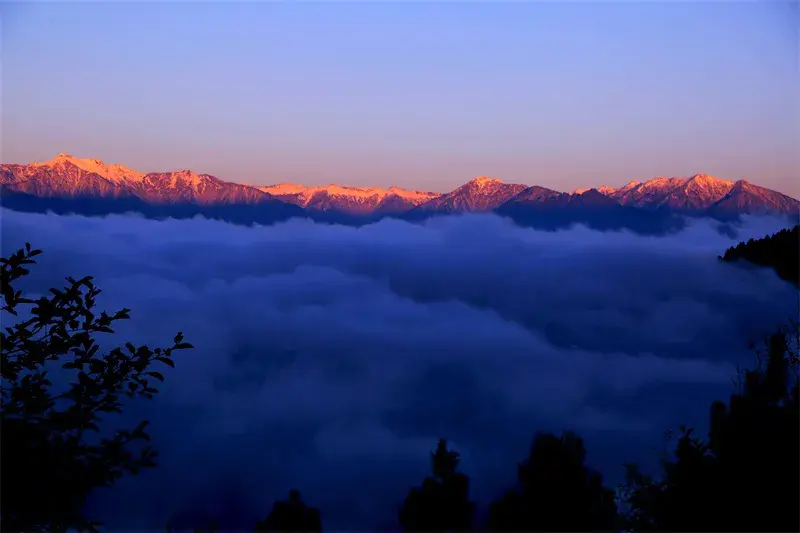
[781, 251]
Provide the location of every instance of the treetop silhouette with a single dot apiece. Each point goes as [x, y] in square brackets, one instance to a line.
[54, 452]
[291, 515]
[442, 502]
[746, 475]
[557, 491]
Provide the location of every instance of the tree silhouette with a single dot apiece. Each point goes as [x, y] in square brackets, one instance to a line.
[292, 515]
[442, 502]
[557, 492]
[746, 475]
[781, 251]
[53, 450]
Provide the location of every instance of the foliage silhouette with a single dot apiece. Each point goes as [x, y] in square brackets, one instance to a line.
[781, 251]
[54, 452]
[442, 502]
[746, 475]
[557, 491]
[291, 515]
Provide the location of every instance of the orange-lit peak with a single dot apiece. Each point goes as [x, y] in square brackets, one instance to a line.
[482, 180]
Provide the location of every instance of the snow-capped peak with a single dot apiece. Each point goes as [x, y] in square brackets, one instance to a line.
[361, 192]
[186, 176]
[113, 173]
[708, 186]
[706, 179]
[413, 196]
[284, 188]
[303, 195]
[484, 180]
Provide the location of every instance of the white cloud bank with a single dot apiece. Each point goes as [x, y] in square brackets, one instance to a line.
[330, 358]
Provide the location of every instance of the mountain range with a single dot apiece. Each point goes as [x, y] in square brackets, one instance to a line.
[91, 186]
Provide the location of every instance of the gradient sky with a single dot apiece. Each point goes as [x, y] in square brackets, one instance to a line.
[421, 95]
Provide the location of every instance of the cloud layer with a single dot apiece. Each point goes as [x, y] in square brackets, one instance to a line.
[331, 358]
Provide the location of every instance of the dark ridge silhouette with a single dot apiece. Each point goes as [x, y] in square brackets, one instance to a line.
[245, 214]
[780, 251]
[291, 515]
[561, 210]
[549, 217]
[556, 492]
[442, 502]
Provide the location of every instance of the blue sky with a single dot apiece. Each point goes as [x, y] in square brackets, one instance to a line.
[421, 95]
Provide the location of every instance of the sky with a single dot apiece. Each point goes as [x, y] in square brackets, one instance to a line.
[420, 95]
[330, 357]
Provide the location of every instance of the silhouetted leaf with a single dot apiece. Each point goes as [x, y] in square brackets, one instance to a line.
[156, 375]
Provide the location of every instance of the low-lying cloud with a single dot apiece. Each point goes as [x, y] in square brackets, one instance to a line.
[331, 358]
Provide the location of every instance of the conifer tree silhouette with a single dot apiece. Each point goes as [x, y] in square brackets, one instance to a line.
[442, 502]
[556, 492]
[291, 515]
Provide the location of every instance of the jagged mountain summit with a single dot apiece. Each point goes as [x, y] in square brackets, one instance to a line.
[745, 197]
[70, 184]
[702, 193]
[67, 184]
[67, 176]
[696, 193]
[480, 194]
[70, 177]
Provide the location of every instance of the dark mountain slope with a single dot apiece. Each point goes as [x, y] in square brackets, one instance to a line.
[745, 197]
[543, 208]
[264, 212]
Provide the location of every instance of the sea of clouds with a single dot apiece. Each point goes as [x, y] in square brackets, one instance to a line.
[331, 358]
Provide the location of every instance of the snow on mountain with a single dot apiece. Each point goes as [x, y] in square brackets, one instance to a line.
[688, 194]
[480, 194]
[67, 176]
[744, 197]
[415, 197]
[353, 200]
[610, 191]
[283, 189]
[60, 177]
[186, 186]
[113, 173]
[649, 192]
